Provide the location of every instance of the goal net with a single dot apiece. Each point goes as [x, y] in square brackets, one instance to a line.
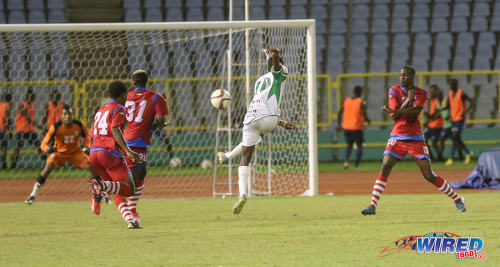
[186, 62]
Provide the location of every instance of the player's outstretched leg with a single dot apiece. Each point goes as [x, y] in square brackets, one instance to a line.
[243, 173]
[96, 185]
[49, 166]
[121, 204]
[225, 157]
[132, 201]
[378, 189]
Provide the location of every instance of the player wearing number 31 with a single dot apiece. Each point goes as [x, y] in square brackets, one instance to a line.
[262, 117]
[63, 144]
[406, 101]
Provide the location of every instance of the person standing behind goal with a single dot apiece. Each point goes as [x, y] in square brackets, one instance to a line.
[144, 107]
[262, 117]
[351, 119]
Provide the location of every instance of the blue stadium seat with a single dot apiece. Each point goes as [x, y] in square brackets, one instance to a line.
[337, 26]
[319, 2]
[481, 10]
[380, 11]
[378, 51]
[421, 50]
[338, 11]
[419, 25]
[358, 40]
[479, 24]
[1, 6]
[16, 64]
[463, 51]
[152, 3]
[439, 25]
[461, 10]
[361, 11]
[397, 62]
[357, 65]
[194, 14]
[2, 19]
[421, 10]
[37, 59]
[399, 25]
[238, 13]
[422, 39]
[495, 24]
[295, 2]
[277, 12]
[441, 10]
[298, 12]
[17, 16]
[318, 12]
[55, 4]
[440, 64]
[400, 11]
[336, 41]
[127, 4]
[133, 15]
[461, 63]
[459, 24]
[465, 38]
[56, 16]
[420, 63]
[173, 3]
[34, 4]
[36, 16]
[136, 58]
[402, 1]
[153, 15]
[59, 60]
[483, 58]
[444, 39]
[193, 3]
[442, 1]
[487, 38]
[257, 13]
[380, 40]
[320, 43]
[360, 25]
[15, 5]
[400, 40]
[157, 62]
[320, 26]
[380, 26]
[281, 3]
[335, 52]
[357, 2]
[256, 3]
[174, 14]
[217, 13]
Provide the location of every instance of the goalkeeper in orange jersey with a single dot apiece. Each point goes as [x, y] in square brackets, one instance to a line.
[63, 144]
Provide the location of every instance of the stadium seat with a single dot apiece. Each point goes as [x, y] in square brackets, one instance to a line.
[400, 40]
[335, 52]
[257, 13]
[16, 64]
[174, 14]
[440, 64]
[358, 40]
[441, 10]
[422, 39]
[481, 10]
[339, 11]
[479, 24]
[361, 11]
[295, 2]
[380, 40]
[298, 12]
[173, 3]
[17, 16]
[461, 10]
[400, 11]
[397, 62]
[442, 1]
[136, 58]
[217, 13]
[463, 50]
[34, 4]
[318, 2]
[377, 63]
[420, 64]
[133, 15]
[421, 10]
[278, 12]
[321, 26]
[318, 12]
[37, 59]
[419, 25]
[55, 4]
[360, 25]
[15, 5]
[380, 26]
[459, 24]
[337, 26]
[56, 16]
[399, 26]
[256, 3]
[465, 38]
[482, 60]
[36, 16]
[129, 4]
[421, 51]
[157, 62]
[439, 25]
[379, 51]
[443, 40]
[495, 24]
[2, 20]
[402, 1]
[320, 43]
[194, 14]
[153, 15]
[193, 3]
[487, 38]
[380, 11]
[357, 65]
[461, 63]
[238, 13]
[336, 41]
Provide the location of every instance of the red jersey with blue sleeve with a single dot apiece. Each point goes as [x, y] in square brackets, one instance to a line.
[110, 115]
[407, 127]
[142, 107]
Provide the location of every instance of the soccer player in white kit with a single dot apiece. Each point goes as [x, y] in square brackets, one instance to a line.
[262, 117]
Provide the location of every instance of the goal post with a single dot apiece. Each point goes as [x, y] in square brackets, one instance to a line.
[186, 61]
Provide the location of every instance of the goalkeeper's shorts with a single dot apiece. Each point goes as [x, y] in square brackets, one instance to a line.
[78, 158]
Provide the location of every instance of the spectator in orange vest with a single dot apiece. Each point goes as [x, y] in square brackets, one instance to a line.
[4, 127]
[54, 109]
[457, 99]
[25, 125]
[351, 118]
[435, 122]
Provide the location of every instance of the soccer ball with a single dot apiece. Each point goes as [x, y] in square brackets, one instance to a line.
[206, 164]
[221, 99]
[175, 162]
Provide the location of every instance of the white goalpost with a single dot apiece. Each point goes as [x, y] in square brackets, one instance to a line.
[186, 61]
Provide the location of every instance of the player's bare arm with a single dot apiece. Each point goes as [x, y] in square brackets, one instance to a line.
[466, 98]
[339, 118]
[287, 125]
[161, 121]
[118, 136]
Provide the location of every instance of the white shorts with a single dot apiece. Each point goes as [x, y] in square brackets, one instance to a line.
[252, 132]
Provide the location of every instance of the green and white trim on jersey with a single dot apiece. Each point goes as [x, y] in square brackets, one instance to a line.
[267, 95]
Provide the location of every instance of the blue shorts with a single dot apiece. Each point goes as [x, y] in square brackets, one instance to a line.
[457, 126]
[433, 133]
[4, 139]
[352, 136]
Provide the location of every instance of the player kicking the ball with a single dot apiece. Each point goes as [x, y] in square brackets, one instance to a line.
[107, 140]
[406, 101]
[261, 118]
[144, 107]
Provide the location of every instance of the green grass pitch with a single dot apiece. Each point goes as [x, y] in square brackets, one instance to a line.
[274, 231]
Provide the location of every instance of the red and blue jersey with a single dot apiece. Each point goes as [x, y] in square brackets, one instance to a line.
[142, 107]
[110, 115]
[406, 127]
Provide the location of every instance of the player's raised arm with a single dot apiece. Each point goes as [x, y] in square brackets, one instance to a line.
[274, 55]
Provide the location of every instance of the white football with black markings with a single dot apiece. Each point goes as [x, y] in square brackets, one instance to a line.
[221, 99]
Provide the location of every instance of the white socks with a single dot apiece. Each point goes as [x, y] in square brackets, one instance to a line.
[35, 189]
[243, 173]
[235, 152]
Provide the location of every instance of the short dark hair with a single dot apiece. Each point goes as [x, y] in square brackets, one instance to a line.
[140, 78]
[358, 90]
[116, 89]
[410, 68]
[68, 108]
